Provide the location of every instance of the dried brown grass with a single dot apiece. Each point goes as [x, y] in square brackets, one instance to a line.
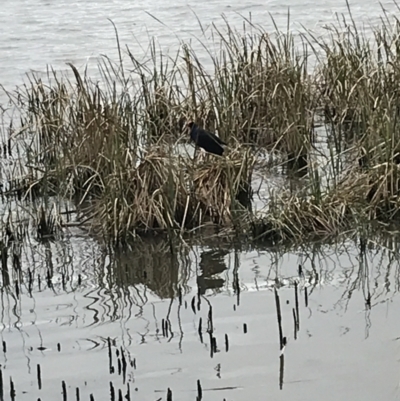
[110, 147]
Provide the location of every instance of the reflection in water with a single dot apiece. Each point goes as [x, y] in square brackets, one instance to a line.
[123, 278]
[211, 264]
[151, 264]
[114, 280]
[4, 267]
[142, 298]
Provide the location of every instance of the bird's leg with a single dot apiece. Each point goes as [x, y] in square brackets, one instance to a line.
[203, 154]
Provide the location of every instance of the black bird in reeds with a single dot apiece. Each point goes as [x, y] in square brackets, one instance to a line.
[206, 140]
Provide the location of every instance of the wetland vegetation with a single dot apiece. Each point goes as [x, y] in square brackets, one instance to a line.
[323, 111]
[313, 133]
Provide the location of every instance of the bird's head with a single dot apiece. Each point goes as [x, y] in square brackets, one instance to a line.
[189, 124]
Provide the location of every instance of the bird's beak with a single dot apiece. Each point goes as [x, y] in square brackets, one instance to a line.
[184, 131]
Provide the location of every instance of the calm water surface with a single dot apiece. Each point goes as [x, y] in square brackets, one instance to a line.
[84, 305]
[206, 316]
[39, 33]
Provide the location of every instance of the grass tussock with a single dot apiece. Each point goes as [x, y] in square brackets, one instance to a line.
[358, 198]
[224, 189]
[150, 196]
[295, 216]
[166, 193]
[359, 93]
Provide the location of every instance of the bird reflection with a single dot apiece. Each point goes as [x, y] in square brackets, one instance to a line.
[211, 263]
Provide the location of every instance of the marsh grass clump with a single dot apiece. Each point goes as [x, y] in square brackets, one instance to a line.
[96, 147]
[383, 190]
[72, 134]
[357, 199]
[223, 190]
[357, 78]
[165, 193]
[111, 146]
[152, 196]
[345, 74]
[312, 214]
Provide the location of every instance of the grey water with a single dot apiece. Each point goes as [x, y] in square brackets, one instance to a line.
[205, 316]
[36, 34]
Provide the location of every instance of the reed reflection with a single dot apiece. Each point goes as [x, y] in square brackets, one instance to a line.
[151, 263]
[212, 263]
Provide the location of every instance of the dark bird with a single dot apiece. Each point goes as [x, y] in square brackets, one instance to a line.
[206, 140]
